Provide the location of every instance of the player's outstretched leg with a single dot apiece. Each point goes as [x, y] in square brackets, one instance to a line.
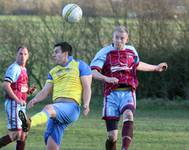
[25, 121]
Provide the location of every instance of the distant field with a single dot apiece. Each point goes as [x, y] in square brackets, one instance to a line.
[155, 129]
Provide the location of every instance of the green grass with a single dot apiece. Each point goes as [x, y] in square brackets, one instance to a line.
[164, 126]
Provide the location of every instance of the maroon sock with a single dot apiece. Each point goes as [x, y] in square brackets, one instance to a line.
[20, 145]
[127, 134]
[5, 140]
[110, 145]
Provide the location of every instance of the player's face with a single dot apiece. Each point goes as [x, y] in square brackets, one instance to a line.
[22, 56]
[59, 56]
[119, 40]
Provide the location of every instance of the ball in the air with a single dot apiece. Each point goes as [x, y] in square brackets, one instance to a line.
[72, 13]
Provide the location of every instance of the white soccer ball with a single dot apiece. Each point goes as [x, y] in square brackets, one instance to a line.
[72, 13]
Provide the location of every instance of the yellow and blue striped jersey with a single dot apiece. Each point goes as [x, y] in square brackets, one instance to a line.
[66, 79]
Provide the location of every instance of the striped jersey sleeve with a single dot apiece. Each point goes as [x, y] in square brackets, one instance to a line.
[12, 73]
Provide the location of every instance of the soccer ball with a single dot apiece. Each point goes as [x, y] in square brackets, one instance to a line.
[72, 13]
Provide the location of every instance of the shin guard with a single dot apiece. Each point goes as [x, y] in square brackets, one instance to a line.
[127, 134]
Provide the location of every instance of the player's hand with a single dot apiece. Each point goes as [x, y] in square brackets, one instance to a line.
[161, 67]
[86, 110]
[112, 80]
[31, 103]
[32, 89]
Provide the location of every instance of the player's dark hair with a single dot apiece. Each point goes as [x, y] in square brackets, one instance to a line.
[21, 47]
[65, 47]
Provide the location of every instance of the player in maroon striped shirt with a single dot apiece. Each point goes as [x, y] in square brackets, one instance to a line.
[116, 65]
[16, 90]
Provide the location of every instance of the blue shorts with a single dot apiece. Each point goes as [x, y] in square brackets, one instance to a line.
[11, 109]
[66, 113]
[117, 102]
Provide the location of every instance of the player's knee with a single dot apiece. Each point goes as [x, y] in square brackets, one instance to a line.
[14, 135]
[128, 115]
[112, 137]
[23, 136]
[50, 109]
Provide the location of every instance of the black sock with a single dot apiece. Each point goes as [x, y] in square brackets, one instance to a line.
[5, 140]
[127, 134]
[110, 145]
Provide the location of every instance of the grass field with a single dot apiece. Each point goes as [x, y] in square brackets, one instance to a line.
[165, 127]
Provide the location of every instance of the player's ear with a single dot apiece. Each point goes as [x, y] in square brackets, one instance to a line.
[65, 53]
[127, 41]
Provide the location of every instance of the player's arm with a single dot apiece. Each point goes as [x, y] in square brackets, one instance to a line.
[7, 87]
[99, 76]
[86, 79]
[148, 67]
[42, 95]
[97, 64]
[86, 84]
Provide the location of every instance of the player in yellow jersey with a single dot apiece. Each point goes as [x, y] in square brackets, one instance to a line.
[67, 82]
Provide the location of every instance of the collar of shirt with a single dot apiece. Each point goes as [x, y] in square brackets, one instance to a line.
[70, 58]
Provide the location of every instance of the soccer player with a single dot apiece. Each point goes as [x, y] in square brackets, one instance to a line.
[67, 82]
[116, 65]
[16, 89]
